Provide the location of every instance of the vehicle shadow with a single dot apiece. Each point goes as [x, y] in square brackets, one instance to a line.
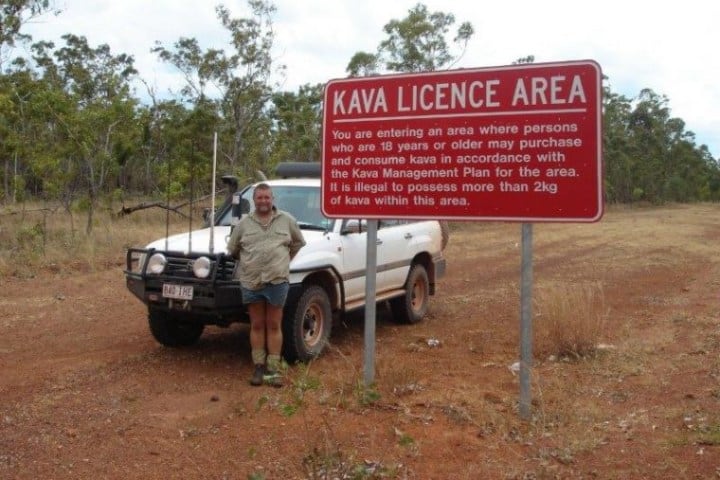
[232, 344]
[216, 344]
[348, 331]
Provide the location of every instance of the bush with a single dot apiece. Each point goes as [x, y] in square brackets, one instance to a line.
[569, 320]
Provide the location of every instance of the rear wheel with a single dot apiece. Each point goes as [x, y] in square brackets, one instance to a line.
[173, 332]
[307, 325]
[413, 305]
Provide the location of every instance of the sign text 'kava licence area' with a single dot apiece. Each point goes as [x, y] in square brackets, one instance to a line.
[520, 143]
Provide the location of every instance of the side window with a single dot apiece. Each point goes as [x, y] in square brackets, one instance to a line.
[389, 223]
[311, 212]
[355, 226]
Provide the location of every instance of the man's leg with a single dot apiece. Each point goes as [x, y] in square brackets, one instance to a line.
[257, 312]
[273, 316]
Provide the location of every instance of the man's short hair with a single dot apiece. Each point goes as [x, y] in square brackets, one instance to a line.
[262, 186]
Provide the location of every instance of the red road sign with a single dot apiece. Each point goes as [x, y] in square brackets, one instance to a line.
[516, 143]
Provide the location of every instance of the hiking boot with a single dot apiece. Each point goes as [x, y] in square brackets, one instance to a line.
[273, 378]
[257, 377]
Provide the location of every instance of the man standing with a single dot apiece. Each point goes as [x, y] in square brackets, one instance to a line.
[264, 242]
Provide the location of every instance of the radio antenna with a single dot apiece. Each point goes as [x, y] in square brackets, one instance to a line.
[167, 210]
[192, 194]
[212, 201]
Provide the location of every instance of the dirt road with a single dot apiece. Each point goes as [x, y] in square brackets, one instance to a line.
[85, 392]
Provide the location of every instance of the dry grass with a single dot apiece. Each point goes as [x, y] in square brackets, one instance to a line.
[34, 237]
[570, 320]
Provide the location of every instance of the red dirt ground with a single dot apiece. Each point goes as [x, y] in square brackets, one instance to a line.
[87, 393]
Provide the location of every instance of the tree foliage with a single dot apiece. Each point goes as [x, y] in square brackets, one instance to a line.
[13, 15]
[649, 156]
[240, 80]
[93, 114]
[297, 118]
[416, 43]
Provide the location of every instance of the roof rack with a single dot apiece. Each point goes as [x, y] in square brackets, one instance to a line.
[298, 169]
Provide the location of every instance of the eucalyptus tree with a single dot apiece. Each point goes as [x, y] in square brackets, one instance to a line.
[669, 164]
[296, 120]
[650, 155]
[238, 83]
[690, 172]
[15, 89]
[33, 132]
[620, 174]
[711, 189]
[14, 14]
[161, 134]
[416, 43]
[14, 74]
[94, 112]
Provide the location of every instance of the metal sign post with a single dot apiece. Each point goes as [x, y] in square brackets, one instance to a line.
[525, 320]
[370, 304]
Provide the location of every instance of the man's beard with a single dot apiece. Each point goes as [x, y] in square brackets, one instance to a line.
[263, 209]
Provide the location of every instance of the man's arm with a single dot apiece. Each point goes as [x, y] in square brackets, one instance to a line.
[297, 241]
[233, 244]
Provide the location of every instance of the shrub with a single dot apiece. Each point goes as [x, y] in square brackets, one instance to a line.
[569, 320]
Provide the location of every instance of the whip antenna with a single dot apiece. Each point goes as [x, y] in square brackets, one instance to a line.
[167, 200]
[212, 204]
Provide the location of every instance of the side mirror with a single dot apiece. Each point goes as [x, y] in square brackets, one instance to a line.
[206, 216]
[354, 226]
[240, 207]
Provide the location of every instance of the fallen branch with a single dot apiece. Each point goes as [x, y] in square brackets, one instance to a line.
[199, 199]
[144, 205]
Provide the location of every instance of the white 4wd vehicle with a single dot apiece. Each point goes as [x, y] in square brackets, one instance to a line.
[186, 288]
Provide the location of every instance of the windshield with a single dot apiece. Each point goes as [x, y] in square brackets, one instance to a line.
[303, 203]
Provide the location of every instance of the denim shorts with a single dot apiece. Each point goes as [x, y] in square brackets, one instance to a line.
[274, 294]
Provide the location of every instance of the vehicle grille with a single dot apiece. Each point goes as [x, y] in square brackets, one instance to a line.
[181, 266]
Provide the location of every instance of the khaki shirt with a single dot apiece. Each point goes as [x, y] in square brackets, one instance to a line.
[264, 253]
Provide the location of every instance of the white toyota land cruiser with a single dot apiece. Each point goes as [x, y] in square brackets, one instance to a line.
[186, 287]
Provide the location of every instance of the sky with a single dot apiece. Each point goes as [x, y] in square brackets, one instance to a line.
[670, 50]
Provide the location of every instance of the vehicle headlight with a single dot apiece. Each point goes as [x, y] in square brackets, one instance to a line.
[201, 267]
[156, 264]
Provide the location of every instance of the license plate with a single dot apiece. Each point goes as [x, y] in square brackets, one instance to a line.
[178, 292]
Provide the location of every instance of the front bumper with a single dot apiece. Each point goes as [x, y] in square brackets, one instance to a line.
[215, 300]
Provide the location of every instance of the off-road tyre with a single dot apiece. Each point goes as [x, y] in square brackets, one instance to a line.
[307, 325]
[413, 305]
[173, 332]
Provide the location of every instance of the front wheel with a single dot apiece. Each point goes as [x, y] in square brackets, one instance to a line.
[413, 305]
[307, 325]
[173, 332]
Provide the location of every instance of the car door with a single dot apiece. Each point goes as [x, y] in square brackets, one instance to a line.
[395, 251]
[391, 253]
[353, 238]
[398, 241]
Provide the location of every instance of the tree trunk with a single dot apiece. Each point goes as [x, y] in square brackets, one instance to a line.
[91, 211]
[6, 182]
